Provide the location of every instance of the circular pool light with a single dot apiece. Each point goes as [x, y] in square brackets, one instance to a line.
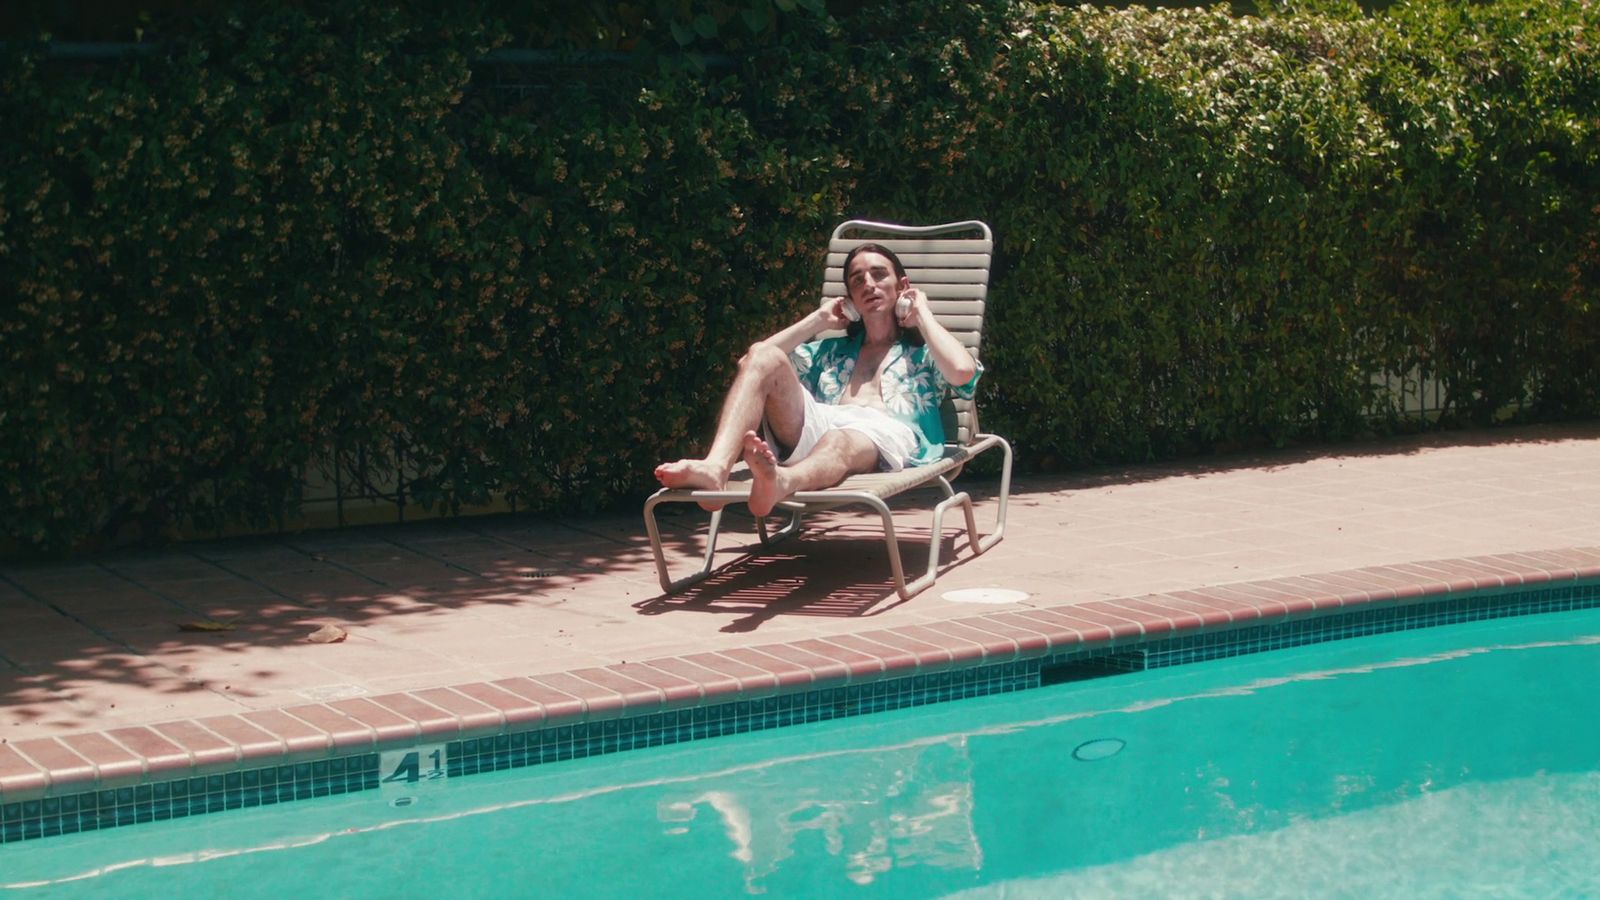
[989, 596]
[1097, 749]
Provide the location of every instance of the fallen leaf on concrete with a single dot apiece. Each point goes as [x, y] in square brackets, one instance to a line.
[327, 634]
[206, 625]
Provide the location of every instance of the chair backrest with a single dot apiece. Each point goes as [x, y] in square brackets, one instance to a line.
[949, 263]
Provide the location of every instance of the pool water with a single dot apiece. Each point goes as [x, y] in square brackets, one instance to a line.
[1440, 762]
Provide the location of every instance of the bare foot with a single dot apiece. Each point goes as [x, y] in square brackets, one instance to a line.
[767, 486]
[696, 475]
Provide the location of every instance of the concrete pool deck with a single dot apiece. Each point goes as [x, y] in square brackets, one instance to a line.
[479, 626]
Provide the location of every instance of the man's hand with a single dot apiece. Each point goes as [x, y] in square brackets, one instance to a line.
[955, 362]
[917, 310]
[827, 317]
[832, 314]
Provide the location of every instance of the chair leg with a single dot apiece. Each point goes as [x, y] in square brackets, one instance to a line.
[966, 509]
[891, 541]
[780, 535]
[979, 543]
[910, 589]
[667, 583]
[936, 536]
[979, 546]
[891, 544]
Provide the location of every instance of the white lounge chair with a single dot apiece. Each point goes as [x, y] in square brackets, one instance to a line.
[950, 263]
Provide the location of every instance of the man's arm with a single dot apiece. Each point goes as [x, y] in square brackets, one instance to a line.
[955, 362]
[829, 316]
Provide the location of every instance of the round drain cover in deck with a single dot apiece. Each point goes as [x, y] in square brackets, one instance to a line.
[994, 596]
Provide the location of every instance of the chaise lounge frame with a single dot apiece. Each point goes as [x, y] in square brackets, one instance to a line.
[950, 263]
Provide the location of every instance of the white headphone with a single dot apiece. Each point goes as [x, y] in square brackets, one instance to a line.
[902, 305]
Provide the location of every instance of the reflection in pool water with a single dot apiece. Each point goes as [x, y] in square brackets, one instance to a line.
[1449, 760]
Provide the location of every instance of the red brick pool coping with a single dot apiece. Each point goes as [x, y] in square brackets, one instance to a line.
[123, 757]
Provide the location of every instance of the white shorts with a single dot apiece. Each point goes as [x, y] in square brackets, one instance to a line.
[896, 441]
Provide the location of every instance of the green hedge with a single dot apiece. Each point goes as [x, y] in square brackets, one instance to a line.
[289, 238]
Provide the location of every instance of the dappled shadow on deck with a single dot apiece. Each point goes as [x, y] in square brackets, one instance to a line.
[96, 643]
[842, 571]
[85, 644]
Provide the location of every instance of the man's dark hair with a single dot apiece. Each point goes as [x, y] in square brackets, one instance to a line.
[913, 336]
[899, 270]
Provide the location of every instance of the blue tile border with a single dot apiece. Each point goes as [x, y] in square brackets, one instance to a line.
[1333, 626]
[184, 797]
[510, 751]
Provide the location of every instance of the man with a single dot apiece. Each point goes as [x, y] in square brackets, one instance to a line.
[828, 409]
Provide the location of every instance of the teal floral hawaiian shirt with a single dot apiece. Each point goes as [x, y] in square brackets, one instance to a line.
[912, 385]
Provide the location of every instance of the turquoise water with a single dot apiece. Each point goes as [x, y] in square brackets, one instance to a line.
[1443, 762]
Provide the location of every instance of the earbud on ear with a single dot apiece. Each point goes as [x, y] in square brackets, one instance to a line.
[902, 305]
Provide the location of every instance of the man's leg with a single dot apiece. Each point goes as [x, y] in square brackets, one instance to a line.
[766, 389]
[841, 452]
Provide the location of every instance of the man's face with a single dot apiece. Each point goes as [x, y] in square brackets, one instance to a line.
[872, 282]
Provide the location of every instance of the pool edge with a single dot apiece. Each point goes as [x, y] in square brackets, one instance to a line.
[944, 659]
